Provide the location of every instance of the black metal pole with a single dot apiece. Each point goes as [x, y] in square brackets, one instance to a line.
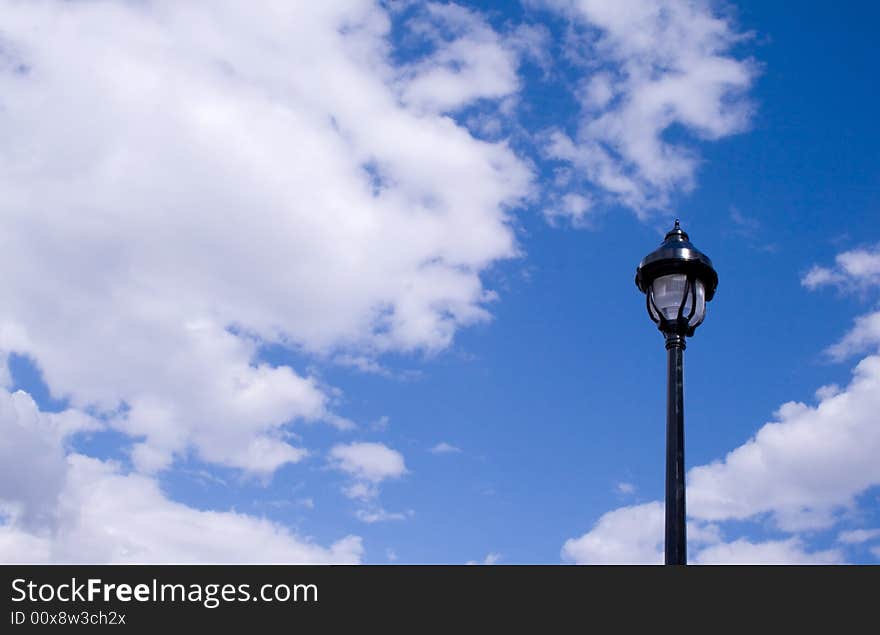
[676, 548]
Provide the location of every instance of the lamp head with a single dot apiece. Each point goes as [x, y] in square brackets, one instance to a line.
[677, 280]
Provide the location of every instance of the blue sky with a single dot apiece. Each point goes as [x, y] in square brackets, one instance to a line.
[355, 283]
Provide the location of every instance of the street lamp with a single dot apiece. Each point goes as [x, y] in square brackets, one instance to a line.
[677, 280]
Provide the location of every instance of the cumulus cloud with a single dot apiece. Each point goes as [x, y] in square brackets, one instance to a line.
[185, 187]
[33, 468]
[191, 185]
[371, 462]
[790, 551]
[110, 517]
[57, 507]
[802, 468]
[653, 66]
[634, 535]
[802, 471]
[631, 535]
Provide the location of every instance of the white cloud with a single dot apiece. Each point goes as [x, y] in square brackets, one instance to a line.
[110, 517]
[469, 61]
[802, 468]
[33, 468]
[183, 185]
[854, 269]
[863, 336]
[371, 462]
[827, 391]
[372, 515]
[790, 551]
[858, 536]
[21, 547]
[629, 535]
[575, 208]
[363, 363]
[801, 471]
[598, 91]
[368, 465]
[445, 448]
[861, 263]
[662, 64]
[820, 276]
[57, 508]
[634, 535]
[361, 491]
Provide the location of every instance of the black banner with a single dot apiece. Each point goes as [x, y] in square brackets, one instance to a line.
[413, 598]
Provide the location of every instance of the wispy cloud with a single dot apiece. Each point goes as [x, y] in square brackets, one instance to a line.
[856, 269]
[650, 66]
[858, 536]
[378, 515]
[625, 488]
[444, 448]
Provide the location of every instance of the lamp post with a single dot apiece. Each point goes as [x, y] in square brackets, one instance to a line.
[677, 280]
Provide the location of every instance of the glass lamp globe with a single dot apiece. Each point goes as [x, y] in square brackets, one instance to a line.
[677, 280]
